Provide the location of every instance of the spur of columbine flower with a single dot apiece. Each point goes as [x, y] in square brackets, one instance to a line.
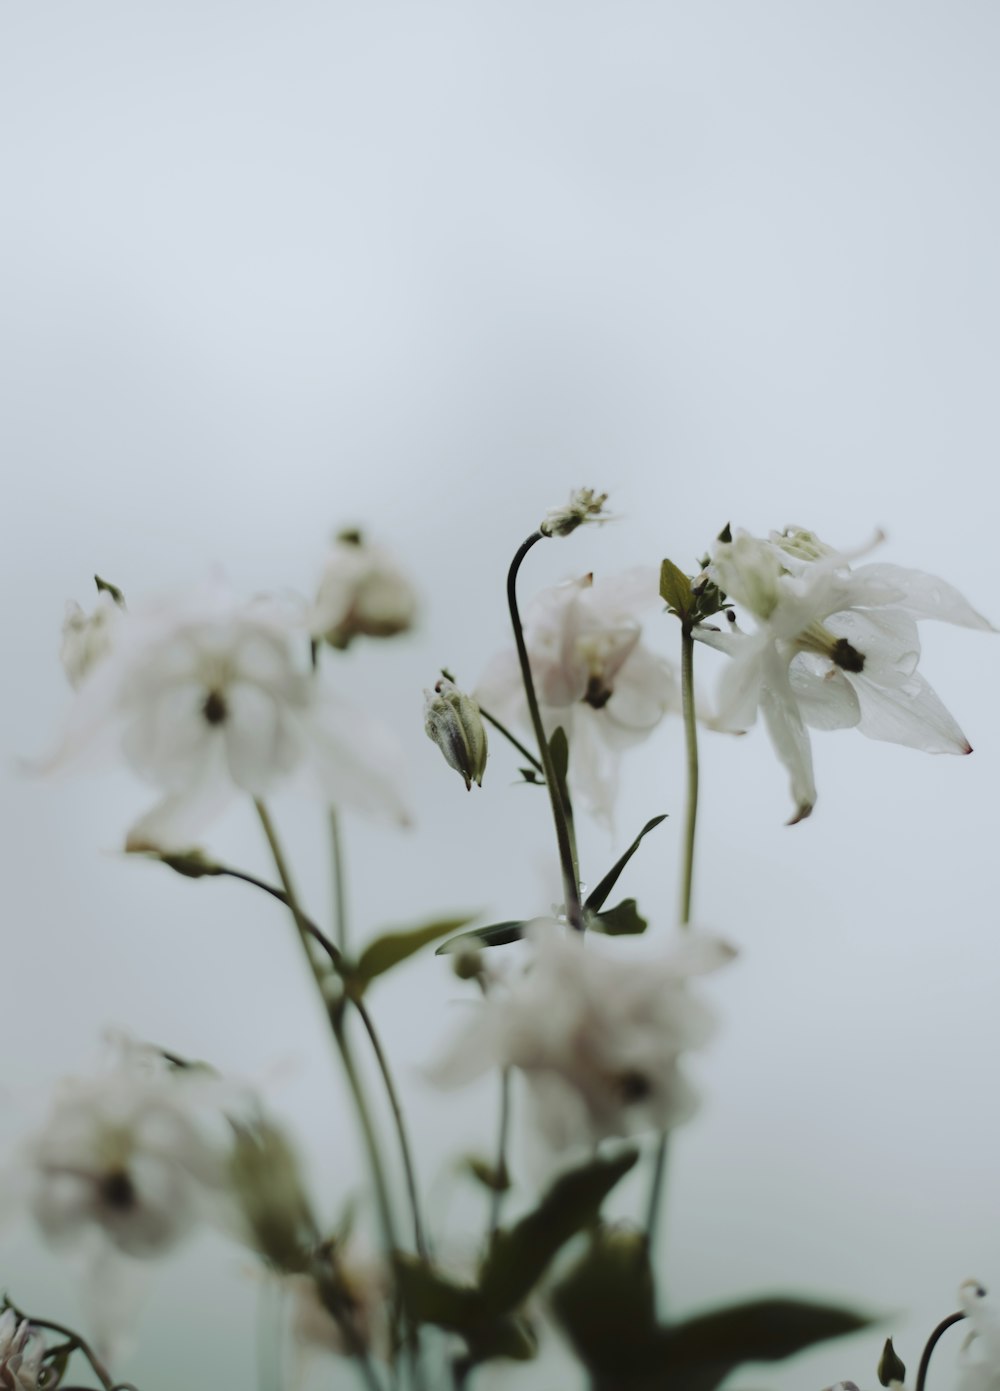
[834, 648]
[362, 593]
[22, 1350]
[593, 676]
[598, 1034]
[979, 1360]
[206, 697]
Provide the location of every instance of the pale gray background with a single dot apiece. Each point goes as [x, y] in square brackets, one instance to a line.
[268, 270]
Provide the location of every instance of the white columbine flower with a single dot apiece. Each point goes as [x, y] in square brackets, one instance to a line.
[598, 1035]
[22, 1349]
[834, 648]
[362, 593]
[979, 1361]
[208, 697]
[87, 637]
[592, 675]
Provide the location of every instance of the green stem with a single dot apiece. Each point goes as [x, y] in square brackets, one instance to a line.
[496, 1198]
[687, 878]
[525, 752]
[571, 885]
[932, 1342]
[334, 1014]
[339, 897]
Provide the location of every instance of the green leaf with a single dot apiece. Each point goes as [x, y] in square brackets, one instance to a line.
[511, 1336]
[675, 589]
[520, 1254]
[531, 775]
[496, 1180]
[598, 896]
[624, 920]
[494, 935]
[103, 587]
[393, 947]
[891, 1367]
[559, 749]
[606, 1304]
[698, 1355]
[431, 1297]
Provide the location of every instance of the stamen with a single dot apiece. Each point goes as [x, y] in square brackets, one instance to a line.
[215, 709]
[116, 1190]
[847, 657]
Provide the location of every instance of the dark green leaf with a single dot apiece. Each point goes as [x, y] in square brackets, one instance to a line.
[891, 1366]
[698, 1355]
[510, 1336]
[598, 897]
[103, 587]
[496, 1180]
[530, 775]
[624, 920]
[559, 749]
[494, 935]
[431, 1297]
[393, 947]
[606, 1304]
[675, 589]
[520, 1254]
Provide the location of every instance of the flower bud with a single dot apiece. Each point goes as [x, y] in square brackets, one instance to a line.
[584, 506]
[891, 1370]
[361, 594]
[453, 721]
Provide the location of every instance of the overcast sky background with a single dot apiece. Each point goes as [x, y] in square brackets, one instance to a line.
[268, 271]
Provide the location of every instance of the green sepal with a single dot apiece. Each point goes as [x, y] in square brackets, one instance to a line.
[675, 590]
[193, 864]
[891, 1367]
[393, 947]
[493, 935]
[598, 896]
[519, 1256]
[624, 920]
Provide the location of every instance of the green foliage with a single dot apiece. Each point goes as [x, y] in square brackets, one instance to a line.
[675, 590]
[104, 587]
[493, 935]
[496, 1180]
[393, 947]
[891, 1366]
[624, 920]
[598, 896]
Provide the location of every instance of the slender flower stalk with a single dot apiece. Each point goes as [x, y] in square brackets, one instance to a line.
[335, 1014]
[339, 894]
[687, 873]
[500, 1175]
[571, 884]
[932, 1342]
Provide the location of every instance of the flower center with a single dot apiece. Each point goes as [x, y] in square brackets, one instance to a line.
[116, 1190]
[597, 693]
[816, 638]
[633, 1085]
[215, 709]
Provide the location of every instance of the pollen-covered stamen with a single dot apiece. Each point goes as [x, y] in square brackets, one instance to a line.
[597, 693]
[818, 639]
[215, 709]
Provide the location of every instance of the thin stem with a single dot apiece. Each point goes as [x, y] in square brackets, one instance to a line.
[687, 879]
[79, 1345]
[318, 936]
[571, 885]
[397, 1111]
[339, 896]
[536, 763]
[500, 1175]
[335, 1015]
[932, 1342]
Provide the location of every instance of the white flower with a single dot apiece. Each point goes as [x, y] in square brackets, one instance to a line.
[598, 1035]
[87, 638]
[592, 675]
[585, 505]
[362, 592]
[206, 697]
[834, 648]
[979, 1360]
[22, 1349]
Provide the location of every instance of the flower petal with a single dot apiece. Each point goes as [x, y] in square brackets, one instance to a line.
[908, 713]
[789, 737]
[920, 594]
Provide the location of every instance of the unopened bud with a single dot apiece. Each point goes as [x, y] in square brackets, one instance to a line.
[453, 721]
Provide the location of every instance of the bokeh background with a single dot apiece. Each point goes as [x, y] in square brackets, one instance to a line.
[272, 270]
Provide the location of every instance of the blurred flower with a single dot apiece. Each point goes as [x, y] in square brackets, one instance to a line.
[22, 1349]
[205, 698]
[87, 637]
[453, 721]
[592, 676]
[834, 648]
[979, 1361]
[585, 505]
[598, 1035]
[362, 592]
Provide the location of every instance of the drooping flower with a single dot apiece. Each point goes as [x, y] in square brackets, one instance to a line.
[452, 720]
[834, 648]
[207, 697]
[599, 1036]
[593, 676]
[22, 1350]
[362, 593]
[87, 638]
[979, 1360]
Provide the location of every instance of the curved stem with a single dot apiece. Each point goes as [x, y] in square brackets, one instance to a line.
[571, 886]
[525, 752]
[687, 878]
[318, 936]
[334, 1014]
[932, 1342]
[397, 1111]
